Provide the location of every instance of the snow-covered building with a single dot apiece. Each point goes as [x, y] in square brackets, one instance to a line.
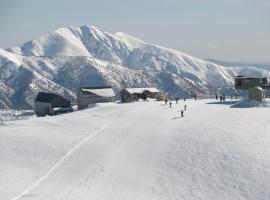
[50, 104]
[255, 86]
[133, 94]
[90, 95]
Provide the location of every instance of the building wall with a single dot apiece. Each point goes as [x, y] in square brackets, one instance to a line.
[256, 94]
[246, 83]
[84, 100]
[127, 97]
[42, 108]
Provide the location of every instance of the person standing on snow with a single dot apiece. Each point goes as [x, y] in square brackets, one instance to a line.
[170, 104]
[166, 100]
[182, 113]
[176, 101]
[185, 107]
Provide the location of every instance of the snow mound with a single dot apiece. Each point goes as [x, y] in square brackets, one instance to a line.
[251, 104]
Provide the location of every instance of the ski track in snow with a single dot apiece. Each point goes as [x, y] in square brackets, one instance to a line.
[59, 164]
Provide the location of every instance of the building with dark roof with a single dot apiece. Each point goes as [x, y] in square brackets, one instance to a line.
[255, 86]
[91, 95]
[245, 83]
[133, 94]
[51, 104]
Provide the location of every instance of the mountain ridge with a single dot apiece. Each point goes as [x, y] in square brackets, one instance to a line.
[67, 58]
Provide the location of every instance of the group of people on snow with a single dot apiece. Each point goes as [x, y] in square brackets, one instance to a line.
[176, 102]
[223, 97]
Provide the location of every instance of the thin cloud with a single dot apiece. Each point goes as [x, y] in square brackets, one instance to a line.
[265, 3]
[211, 46]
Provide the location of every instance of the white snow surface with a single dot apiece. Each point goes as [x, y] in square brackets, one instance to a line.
[142, 150]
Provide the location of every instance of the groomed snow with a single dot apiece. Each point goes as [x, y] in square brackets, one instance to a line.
[140, 150]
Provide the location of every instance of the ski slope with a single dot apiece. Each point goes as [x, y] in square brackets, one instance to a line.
[142, 150]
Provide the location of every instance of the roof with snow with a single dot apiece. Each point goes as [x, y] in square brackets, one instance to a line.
[55, 99]
[141, 90]
[105, 91]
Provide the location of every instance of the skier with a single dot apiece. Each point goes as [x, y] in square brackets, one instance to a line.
[195, 96]
[166, 100]
[182, 113]
[176, 101]
[170, 104]
[185, 107]
[216, 97]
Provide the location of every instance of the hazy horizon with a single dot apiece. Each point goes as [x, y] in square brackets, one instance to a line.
[232, 30]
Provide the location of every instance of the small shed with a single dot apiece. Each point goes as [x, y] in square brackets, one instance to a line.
[133, 94]
[90, 95]
[50, 103]
[256, 93]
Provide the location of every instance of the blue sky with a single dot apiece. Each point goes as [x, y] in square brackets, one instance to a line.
[233, 30]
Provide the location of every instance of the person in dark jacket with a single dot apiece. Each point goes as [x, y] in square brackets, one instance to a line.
[182, 113]
[170, 104]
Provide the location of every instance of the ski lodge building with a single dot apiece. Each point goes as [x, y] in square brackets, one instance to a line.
[254, 86]
[91, 95]
[51, 104]
[133, 94]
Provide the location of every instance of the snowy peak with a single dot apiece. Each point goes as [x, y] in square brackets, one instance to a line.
[130, 41]
[76, 41]
[65, 59]
[61, 42]
[7, 57]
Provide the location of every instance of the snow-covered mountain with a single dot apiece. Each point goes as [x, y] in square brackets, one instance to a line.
[261, 65]
[67, 58]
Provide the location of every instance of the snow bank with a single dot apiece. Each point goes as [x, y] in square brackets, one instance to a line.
[251, 104]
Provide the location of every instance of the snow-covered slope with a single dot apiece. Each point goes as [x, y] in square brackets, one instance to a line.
[71, 57]
[261, 65]
[19, 83]
[125, 50]
[139, 151]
